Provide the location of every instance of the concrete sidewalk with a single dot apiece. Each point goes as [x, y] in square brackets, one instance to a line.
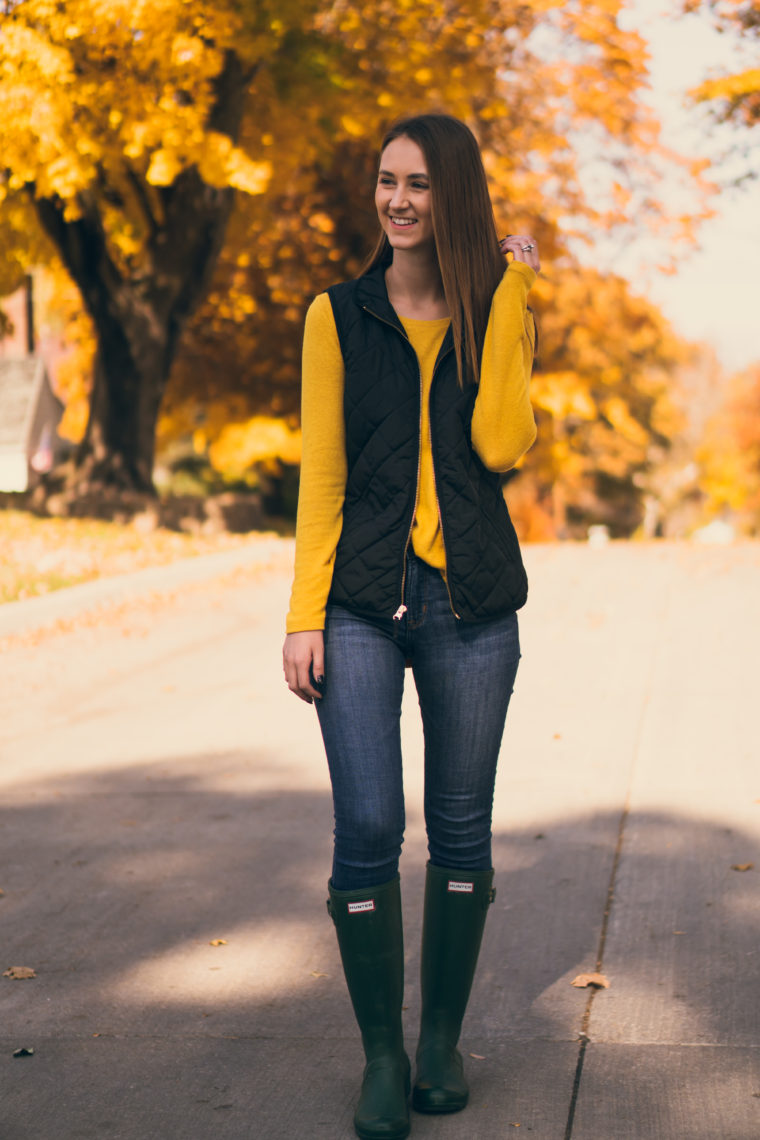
[165, 829]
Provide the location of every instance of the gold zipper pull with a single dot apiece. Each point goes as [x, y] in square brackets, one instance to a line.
[399, 613]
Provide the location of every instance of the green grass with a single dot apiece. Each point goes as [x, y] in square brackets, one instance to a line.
[39, 555]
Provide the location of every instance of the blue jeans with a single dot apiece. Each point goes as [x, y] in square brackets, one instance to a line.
[464, 674]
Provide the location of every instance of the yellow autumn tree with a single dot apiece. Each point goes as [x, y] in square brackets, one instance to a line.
[607, 407]
[729, 455]
[133, 132]
[531, 78]
[736, 96]
[119, 129]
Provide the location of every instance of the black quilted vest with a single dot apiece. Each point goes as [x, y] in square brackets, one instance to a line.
[484, 570]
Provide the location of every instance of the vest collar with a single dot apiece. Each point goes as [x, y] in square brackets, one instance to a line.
[372, 294]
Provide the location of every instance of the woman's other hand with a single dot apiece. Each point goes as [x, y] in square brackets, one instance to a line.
[303, 661]
[523, 248]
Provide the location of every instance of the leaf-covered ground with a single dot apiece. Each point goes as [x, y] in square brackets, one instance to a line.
[38, 555]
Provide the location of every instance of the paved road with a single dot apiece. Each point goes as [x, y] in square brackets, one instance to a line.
[161, 791]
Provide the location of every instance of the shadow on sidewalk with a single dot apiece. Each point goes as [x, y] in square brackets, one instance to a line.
[116, 884]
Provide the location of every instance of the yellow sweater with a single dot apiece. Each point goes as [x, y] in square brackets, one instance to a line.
[502, 430]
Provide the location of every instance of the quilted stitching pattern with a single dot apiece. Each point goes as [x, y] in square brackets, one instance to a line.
[381, 405]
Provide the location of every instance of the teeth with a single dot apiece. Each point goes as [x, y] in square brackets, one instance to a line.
[403, 221]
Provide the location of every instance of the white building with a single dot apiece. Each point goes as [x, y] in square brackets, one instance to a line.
[29, 415]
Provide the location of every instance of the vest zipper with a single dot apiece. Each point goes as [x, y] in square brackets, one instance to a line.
[402, 607]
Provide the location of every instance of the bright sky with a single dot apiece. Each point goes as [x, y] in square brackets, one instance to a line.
[715, 295]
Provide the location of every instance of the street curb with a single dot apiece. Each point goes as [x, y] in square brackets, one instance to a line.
[37, 613]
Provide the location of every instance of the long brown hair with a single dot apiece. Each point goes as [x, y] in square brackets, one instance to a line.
[465, 234]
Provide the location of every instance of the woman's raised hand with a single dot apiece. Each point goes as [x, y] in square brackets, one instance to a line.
[303, 661]
[523, 248]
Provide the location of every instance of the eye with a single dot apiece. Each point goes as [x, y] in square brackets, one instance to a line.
[384, 180]
[420, 186]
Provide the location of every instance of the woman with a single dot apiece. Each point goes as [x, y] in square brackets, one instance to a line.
[415, 396]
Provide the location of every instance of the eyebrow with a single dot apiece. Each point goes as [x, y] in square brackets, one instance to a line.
[390, 172]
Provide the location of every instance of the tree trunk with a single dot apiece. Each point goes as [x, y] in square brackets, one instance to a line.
[139, 311]
[138, 319]
[119, 443]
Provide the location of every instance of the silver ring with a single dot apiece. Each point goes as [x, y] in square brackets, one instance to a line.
[527, 248]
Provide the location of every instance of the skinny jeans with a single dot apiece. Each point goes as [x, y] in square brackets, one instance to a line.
[464, 673]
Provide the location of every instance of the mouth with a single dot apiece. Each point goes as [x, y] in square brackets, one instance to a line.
[401, 223]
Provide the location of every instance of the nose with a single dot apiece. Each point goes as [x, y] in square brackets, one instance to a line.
[399, 198]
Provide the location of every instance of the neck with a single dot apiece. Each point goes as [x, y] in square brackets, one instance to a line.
[414, 278]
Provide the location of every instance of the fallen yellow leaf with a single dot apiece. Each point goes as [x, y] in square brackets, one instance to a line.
[218, 942]
[477, 1056]
[316, 974]
[742, 866]
[20, 973]
[597, 980]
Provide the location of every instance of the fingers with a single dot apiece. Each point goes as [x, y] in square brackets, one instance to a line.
[299, 679]
[303, 664]
[318, 664]
[523, 248]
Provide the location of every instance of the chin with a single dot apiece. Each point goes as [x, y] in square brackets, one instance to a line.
[402, 240]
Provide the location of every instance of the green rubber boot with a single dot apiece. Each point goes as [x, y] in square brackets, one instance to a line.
[456, 904]
[370, 938]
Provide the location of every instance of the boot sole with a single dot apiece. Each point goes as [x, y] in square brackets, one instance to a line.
[363, 1134]
[438, 1110]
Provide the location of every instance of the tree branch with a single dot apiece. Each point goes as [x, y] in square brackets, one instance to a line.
[195, 213]
[230, 89]
[81, 243]
[141, 194]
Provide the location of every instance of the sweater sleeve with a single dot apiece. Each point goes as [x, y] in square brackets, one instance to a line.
[323, 469]
[503, 427]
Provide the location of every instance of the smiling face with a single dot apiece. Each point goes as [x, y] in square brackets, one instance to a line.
[402, 196]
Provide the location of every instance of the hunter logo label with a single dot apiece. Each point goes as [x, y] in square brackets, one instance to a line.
[359, 907]
[460, 888]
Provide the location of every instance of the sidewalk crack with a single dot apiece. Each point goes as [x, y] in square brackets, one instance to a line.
[583, 1036]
